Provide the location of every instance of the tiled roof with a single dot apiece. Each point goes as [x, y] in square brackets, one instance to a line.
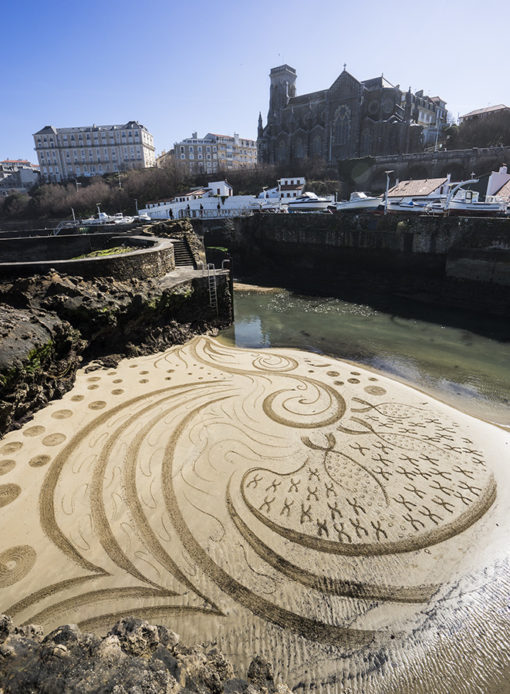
[504, 191]
[425, 186]
[487, 109]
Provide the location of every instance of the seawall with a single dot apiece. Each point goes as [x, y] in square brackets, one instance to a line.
[459, 262]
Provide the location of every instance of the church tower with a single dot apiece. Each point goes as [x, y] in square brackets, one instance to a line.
[283, 87]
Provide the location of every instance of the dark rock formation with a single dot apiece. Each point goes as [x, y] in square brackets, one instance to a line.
[49, 324]
[134, 656]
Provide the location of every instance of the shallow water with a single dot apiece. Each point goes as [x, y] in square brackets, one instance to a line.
[456, 365]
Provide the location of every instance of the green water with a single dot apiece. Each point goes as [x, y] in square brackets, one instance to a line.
[458, 365]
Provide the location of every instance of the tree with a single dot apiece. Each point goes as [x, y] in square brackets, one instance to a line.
[491, 130]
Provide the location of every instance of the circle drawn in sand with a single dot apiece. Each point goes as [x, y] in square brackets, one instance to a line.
[77, 398]
[8, 493]
[143, 380]
[11, 447]
[6, 466]
[97, 405]
[117, 391]
[62, 414]
[375, 390]
[34, 431]
[54, 439]
[94, 378]
[93, 387]
[39, 460]
[15, 563]
[117, 380]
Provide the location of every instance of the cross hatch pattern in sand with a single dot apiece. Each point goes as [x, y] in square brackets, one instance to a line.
[210, 479]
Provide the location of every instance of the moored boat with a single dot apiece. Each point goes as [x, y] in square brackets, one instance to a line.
[309, 202]
[360, 202]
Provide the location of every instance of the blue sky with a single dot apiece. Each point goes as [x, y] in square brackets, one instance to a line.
[181, 67]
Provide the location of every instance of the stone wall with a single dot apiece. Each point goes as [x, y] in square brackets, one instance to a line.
[42, 254]
[449, 261]
[369, 173]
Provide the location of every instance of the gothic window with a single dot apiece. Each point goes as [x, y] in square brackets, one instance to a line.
[299, 148]
[316, 146]
[342, 125]
[282, 151]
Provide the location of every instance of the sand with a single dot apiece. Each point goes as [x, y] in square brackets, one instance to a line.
[348, 527]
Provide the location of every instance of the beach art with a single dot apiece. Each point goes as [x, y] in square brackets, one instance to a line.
[348, 527]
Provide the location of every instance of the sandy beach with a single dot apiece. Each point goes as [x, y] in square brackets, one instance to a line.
[346, 526]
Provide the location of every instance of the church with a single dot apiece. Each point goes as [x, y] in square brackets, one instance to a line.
[350, 119]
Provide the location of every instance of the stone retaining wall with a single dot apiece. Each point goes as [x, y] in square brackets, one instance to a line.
[455, 261]
[28, 256]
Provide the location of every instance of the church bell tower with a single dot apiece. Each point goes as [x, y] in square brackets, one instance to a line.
[283, 87]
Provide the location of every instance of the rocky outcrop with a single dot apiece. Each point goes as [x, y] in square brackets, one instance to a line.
[133, 657]
[52, 323]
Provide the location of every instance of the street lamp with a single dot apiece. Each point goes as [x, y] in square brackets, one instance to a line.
[387, 189]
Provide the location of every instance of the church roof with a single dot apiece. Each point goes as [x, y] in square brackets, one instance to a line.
[421, 187]
[305, 98]
[378, 83]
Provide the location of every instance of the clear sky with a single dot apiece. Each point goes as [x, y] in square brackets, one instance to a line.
[179, 67]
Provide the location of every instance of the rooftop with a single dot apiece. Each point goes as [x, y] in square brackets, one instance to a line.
[487, 109]
[132, 124]
[504, 191]
[424, 186]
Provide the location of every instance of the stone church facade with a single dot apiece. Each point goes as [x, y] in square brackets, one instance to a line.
[350, 119]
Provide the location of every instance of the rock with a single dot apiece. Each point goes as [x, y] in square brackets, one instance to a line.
[5, 627]
[135, 657]
[136, 636]
[260, 673]
[49, 323]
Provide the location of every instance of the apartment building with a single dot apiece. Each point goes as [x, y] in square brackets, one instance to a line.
[17, 176]
[65, 153]
[215, 153]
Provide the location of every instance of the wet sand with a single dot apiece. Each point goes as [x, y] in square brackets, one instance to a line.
[350, 528]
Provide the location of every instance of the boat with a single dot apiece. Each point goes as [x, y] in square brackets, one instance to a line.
[102, 218]
[360, 202]
[118, 218]
[309, 202]
[460, 201]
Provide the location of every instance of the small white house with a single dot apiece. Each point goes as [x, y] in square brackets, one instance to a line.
[498, 185]
[287, 189]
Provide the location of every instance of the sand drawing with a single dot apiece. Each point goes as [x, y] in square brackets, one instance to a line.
[235, 487]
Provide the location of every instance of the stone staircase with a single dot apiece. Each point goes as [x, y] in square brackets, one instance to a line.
[183, 257]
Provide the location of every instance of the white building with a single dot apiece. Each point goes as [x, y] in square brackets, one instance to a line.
[217, 200]
[65, 153]
[286, 189]
[213, 153]
[17, 176]
[498, 186]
